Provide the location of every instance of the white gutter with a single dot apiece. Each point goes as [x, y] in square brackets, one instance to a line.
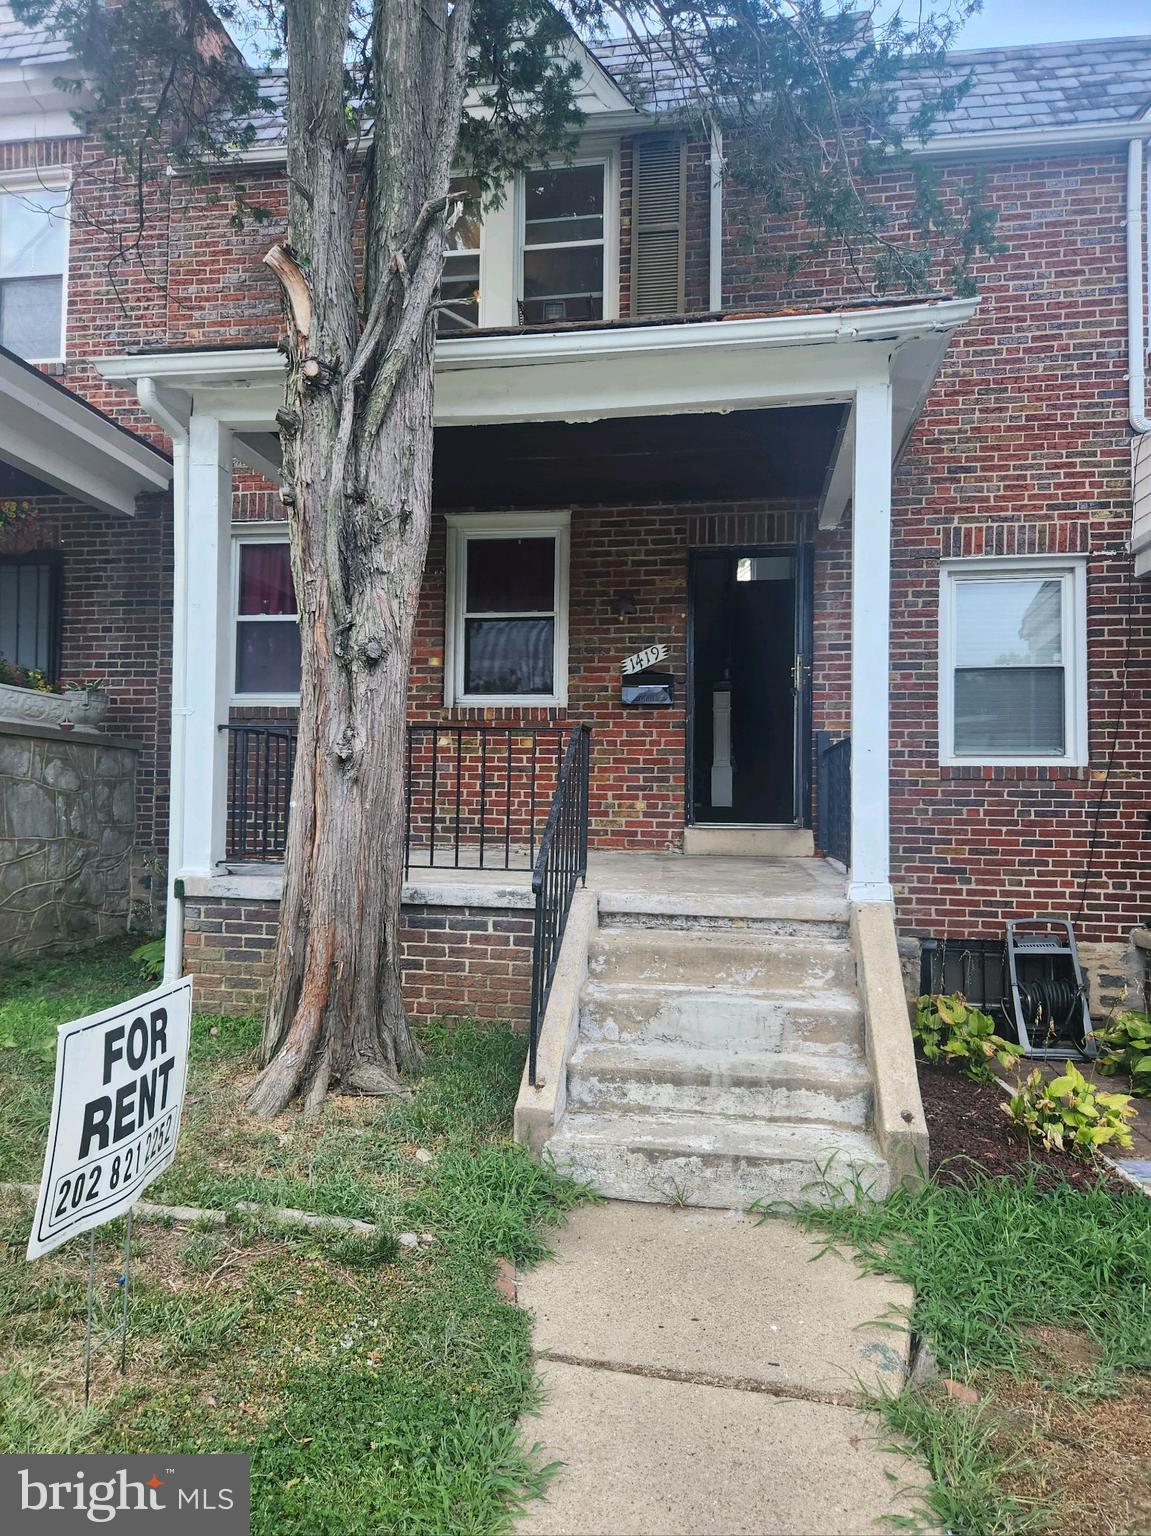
[1136, 319]
[149, 398]
[1031, 140]
[715, 223]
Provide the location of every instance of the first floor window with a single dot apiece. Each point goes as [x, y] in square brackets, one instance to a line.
[507, 610]
[33, 260]
[1013, 662]
[30, 612]
[267, 627]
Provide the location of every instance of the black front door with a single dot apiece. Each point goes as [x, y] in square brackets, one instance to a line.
[748, 732]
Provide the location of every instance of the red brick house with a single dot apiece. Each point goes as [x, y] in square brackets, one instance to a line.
[882, 560]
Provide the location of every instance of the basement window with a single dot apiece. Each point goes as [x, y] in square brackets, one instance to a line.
[506, 630]
[1013, 662]
[33, 263]
[264, 620]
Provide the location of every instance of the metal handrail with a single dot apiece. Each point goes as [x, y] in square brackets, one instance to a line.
[833, 795]
[562, 862]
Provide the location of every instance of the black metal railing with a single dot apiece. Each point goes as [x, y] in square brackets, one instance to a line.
[975, 967]
[475, 797]
[261, 760]
[560, 865]
[478, 796]
[833, 795]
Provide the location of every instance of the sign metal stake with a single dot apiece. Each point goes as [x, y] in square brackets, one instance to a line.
[91, 1310]
[124, 1283]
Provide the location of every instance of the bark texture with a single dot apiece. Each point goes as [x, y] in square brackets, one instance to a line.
[356, 429]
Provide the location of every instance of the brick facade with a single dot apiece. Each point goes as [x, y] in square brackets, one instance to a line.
[468, 961]
[1023, 446]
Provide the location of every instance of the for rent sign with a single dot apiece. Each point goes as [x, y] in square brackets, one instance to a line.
[120, 1079]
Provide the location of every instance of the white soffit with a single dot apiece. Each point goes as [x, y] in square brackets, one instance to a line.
[52, 434]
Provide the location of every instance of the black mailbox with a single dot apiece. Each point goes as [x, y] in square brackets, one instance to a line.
[648, 690]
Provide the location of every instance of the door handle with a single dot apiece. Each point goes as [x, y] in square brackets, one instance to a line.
[798, 667]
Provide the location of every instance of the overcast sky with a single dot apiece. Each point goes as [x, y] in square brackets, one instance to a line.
[1005, 23]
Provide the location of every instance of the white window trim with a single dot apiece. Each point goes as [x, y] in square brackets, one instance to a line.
[609, 159]
[1072, 571]
[253, 533]
[505, 525]
[50, 178]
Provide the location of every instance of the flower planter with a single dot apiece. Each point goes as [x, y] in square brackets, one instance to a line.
[28, 707]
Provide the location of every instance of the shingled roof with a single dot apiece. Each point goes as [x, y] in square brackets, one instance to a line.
[20, 44]
[1100, 81]
[1103, 80]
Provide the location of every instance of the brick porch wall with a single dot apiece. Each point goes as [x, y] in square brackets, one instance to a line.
[467, 961]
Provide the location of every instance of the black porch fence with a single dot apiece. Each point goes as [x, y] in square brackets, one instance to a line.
[476, 797]
[833, 795]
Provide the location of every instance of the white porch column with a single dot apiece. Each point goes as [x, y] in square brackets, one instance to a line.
[208, 686]
[871, 645]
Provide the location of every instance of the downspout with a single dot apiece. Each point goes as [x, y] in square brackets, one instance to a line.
[1136, 320]
[715, 223]
[149, 398]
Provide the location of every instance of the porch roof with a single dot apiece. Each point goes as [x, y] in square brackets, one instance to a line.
[720, 363]
[62, 441]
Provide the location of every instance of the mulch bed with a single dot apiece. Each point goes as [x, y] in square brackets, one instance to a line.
[970, 1132]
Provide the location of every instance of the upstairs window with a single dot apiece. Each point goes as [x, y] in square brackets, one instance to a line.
[33, 263]
[460, 284]
[30, 612]
[1013, 662]
[563, 244]
[267, 628]
[507, 612]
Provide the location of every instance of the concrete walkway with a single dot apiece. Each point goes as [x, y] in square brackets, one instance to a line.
[701, 1375]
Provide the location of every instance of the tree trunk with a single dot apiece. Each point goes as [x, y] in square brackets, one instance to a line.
[357, 436]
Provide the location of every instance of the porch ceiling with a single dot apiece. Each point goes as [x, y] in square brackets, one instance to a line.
[638, 460]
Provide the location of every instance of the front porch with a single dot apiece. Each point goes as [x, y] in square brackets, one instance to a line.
[826, 397]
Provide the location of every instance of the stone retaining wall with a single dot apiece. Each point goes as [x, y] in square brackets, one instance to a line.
[67, 830]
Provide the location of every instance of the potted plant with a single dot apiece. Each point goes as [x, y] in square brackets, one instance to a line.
[28, 697]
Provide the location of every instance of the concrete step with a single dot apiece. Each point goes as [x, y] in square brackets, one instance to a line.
[749, 961]
[808, 929]
[830, 1017]
[713, 1161]
[729, 1081]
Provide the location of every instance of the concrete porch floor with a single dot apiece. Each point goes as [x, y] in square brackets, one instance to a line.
[691, 885]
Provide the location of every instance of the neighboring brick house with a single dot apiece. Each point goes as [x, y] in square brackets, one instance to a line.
[687, 451]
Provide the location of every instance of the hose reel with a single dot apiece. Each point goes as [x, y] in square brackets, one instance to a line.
[1048, 995]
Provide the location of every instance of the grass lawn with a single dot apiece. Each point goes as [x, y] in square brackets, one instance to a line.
[1039, 1299]
[376, 1387]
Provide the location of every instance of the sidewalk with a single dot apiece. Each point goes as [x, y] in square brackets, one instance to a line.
[701, 1378]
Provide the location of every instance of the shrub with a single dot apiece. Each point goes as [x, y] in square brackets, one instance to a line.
[1071, 1114]
[1125, 1046]
[24, 677]
[949, 1028]
[149, 958]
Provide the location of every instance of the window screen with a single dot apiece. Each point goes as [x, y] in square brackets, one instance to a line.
[1010, 684]
[267, 627]
[30, 600]
[509, 619]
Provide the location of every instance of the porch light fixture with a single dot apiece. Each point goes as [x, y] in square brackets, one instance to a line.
[624, 605]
